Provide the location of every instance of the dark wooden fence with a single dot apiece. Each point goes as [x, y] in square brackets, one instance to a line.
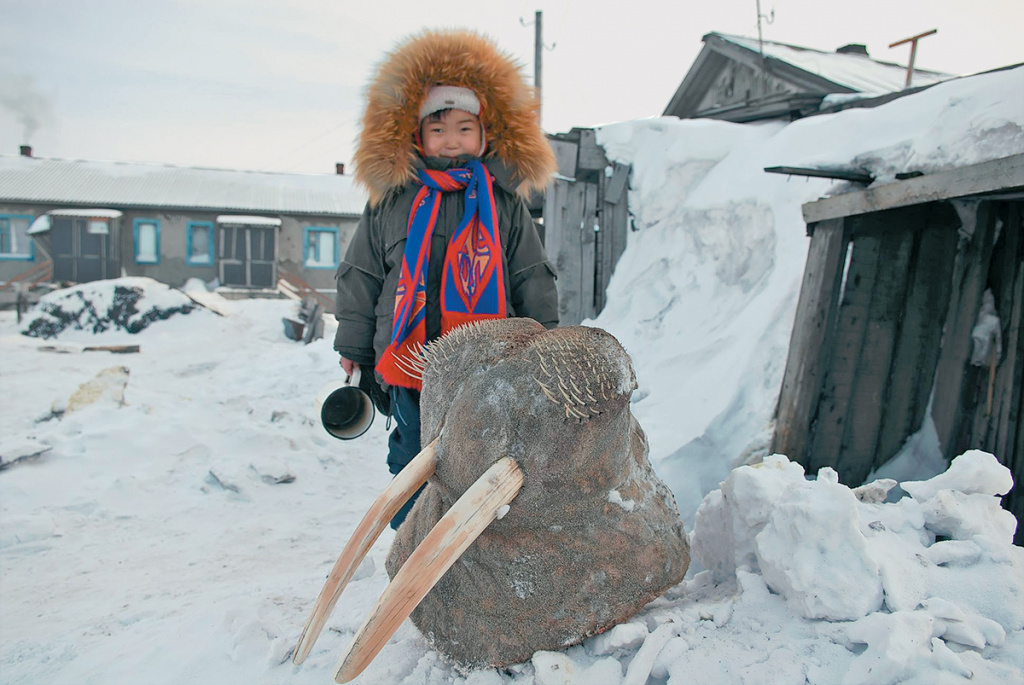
[586, 219]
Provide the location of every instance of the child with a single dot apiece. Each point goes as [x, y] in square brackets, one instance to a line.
[450, 146]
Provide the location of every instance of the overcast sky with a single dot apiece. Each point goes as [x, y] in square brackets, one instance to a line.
[275, 85]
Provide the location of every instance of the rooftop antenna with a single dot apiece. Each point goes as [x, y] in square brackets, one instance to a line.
[760, 43]
[913, 52]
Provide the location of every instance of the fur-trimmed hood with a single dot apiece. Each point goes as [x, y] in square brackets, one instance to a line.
[386, 157]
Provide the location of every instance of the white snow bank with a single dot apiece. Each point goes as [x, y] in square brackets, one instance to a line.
[940, 565]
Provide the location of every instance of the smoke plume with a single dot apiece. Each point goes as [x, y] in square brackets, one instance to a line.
[20, 96]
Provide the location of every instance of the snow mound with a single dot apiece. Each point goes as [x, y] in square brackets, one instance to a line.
[128, 304]
[925, 579]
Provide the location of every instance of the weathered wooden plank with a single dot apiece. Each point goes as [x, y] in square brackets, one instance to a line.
[1006, 408]
[1014, 502]
[917, 351]
[555, 238]
[616, 188]
[566, 152]
[833, 411]
[602, 249]
[970, 272]
[571, 306]
[591, 156]
[1009, 445]
[588, 250]
[1011, 370]
[619, 231]
[1014, 452]
[568, 257]
[554, 202]
[873, 373]
[994, 175]
[810, 340]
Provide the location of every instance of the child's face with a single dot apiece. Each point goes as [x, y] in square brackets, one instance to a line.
[454, 133]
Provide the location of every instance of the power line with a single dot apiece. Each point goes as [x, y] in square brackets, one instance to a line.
[309, 142]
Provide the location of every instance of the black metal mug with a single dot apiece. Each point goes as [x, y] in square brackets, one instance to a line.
[346, 412]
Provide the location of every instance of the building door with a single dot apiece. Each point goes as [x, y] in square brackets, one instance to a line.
[83, 249]
[246, 255]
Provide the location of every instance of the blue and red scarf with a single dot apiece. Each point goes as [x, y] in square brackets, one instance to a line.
[473, 280]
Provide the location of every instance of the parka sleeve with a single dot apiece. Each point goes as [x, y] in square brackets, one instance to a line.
[360, 278]
[531, 275]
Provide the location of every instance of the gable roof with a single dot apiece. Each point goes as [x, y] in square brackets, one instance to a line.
[801, 77]
[118, 184]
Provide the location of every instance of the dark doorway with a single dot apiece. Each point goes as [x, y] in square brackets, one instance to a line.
[84, 249]
[246, 255]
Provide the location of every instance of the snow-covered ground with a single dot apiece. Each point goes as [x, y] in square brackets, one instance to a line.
[186, 506]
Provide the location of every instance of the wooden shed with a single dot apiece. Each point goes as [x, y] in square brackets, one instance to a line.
[741, 79]
[894, 284]
[586, 220]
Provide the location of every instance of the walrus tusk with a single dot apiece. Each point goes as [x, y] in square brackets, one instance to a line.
[387, 504]
[438, 551]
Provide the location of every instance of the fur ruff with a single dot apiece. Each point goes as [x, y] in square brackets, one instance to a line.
[385, 154]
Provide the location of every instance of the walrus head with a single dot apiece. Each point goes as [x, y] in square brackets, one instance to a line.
[541, 523]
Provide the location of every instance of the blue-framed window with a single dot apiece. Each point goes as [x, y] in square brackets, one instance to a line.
[146, 233]
[15, 242]
[199, 243]
[321, 248]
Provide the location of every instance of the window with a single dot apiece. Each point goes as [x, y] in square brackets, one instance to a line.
[98, 227]
[199, 243]
[14, 240]
[147, 241]
[321, 247]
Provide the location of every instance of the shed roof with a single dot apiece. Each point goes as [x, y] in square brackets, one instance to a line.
[810, 75]
[1002, 177]
[119, 184]
[859, 73]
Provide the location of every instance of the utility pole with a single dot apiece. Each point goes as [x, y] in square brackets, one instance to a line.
[913, 52]
[538, 48]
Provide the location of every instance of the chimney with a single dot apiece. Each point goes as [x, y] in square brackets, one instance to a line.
[339, 168]
[25, 150]
[853, 49]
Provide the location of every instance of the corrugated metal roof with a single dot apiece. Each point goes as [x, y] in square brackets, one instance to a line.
[117, 184]
[858, 72]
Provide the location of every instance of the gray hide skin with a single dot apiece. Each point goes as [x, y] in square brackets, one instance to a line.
[570, 558]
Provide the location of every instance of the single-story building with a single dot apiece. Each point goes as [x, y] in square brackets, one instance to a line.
[238, 229]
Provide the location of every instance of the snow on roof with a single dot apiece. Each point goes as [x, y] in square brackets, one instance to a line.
[859, 72]
[242, 220]
[120, 184]
[91, 213]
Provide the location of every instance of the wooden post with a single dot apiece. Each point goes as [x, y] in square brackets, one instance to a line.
[970, 273]
[927, 300]
[873, 376]
[811, 339]
[538, 48]
[913, 51]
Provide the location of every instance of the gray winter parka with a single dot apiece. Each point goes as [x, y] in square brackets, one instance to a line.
[368, 275]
